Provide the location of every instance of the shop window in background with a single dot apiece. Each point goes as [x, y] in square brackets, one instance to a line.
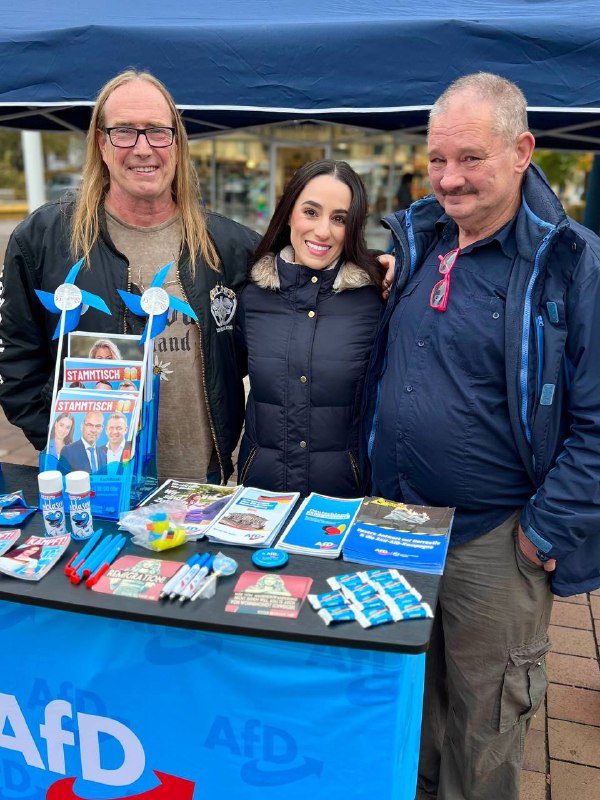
[242, 180]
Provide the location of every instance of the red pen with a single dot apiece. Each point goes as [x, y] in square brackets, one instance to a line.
[68, 569]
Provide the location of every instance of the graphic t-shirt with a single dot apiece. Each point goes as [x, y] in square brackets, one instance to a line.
[185, 444]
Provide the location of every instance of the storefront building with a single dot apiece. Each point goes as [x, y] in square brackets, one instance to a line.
[243, 173]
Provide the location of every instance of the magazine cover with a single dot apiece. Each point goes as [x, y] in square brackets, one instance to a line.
[204, 501]
[389, 534]
[106, 346]
[253, 518]
[136, 576]
[32, 559]
[320, 526]
[269, 593]
[7, 539]
[90, 373]
[91, 430]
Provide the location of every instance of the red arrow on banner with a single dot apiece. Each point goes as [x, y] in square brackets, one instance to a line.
[170, 788]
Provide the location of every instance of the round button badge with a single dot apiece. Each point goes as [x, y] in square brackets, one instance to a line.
[155, 300]
[67, 296]
[270, 558]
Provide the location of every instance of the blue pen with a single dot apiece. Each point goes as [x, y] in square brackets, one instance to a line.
[89, 546]
[94, 559]
[184, 582]
[192, 587]
[174, 580]
[77, 574]
[118, 545]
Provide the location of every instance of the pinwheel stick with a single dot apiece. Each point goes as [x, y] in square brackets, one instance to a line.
[61, 336]
[148, 350]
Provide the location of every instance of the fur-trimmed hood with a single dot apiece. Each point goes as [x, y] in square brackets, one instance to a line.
[265, 274]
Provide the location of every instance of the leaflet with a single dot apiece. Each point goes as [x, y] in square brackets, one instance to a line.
[390, 534]
[105, 346]
[204, 501]
[253, 518]
[93, 373]
[320, 526]
[32, 559]
[100, 420]
[135, 576]
[269, 594]
[7, 539]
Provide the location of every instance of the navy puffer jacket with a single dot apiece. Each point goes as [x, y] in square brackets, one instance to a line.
[307, 335]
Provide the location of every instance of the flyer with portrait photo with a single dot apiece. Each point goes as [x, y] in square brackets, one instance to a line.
[98, 439]
[105, 346]
[269, 594]
[32, 559]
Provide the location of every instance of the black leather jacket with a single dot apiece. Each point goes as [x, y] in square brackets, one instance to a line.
[38, 257]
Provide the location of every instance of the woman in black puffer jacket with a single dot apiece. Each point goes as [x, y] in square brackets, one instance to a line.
[305, 325]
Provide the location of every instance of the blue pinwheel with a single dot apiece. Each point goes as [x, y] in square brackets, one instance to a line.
[70, 302]
[155, 303]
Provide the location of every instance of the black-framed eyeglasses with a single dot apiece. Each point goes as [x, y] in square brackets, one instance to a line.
[127, 137]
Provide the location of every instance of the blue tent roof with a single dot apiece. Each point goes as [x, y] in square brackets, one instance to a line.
[374, 63]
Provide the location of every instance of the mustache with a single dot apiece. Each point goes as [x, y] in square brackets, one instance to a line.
[462, 192]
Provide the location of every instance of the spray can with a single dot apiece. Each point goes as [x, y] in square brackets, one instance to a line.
[51, 502]
[78, 489]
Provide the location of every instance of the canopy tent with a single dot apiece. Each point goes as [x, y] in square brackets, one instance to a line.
[237, 63]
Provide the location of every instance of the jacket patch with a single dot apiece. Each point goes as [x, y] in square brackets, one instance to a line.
[223, 303]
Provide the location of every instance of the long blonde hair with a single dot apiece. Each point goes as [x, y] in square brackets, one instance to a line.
[96, 179]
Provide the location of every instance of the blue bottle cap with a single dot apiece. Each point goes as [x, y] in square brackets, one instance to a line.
[270, 558]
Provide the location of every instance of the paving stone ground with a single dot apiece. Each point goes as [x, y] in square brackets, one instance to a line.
[562, 751]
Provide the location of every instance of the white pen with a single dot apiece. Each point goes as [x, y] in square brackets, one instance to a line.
[174, 580]
[193, 585]
[183, 582]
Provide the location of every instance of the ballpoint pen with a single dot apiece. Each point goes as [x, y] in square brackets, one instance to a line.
[185, 580]
[79, 558]
[181, 572]
[118, 545]
[192, 587]
[91, 562]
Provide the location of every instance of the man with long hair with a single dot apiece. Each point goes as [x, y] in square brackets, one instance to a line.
[138, 208]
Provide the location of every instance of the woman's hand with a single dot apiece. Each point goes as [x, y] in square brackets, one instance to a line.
[387, 262]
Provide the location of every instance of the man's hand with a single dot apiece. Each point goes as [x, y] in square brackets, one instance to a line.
[529, 551]
[387, 261]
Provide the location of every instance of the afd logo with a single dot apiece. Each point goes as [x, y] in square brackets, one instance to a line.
[58, 729]
[63, 729]
[272, 753]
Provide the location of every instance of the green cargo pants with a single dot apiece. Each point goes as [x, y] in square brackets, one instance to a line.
[485, 671]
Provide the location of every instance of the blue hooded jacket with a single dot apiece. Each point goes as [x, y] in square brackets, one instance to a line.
[552, 370]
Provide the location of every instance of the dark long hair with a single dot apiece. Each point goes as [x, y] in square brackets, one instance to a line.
[277, 235]
[64, 415]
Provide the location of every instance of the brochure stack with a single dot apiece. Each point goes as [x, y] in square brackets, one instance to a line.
[101, 424]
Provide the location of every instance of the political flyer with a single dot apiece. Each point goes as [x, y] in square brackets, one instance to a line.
[105, 346]
[91, 430]
[137, 576]
[253, 518]
[269, 594]
[203, 500]
[32, 559]
[92, 373]
[8, 538]
[320, 526]
[390, 534]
